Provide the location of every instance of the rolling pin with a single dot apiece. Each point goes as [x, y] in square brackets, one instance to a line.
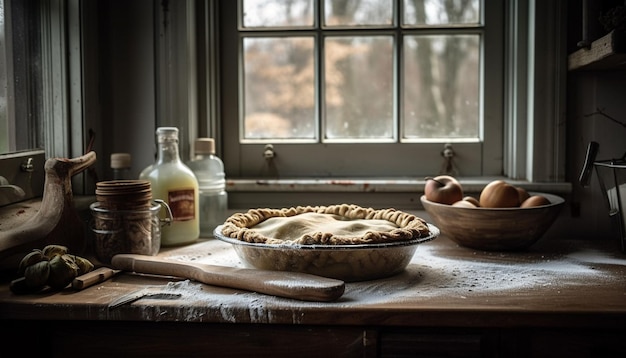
[301, 286]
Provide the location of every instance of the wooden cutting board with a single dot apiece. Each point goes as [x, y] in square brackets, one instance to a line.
[301, 286]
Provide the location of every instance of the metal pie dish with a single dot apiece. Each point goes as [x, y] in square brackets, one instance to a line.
[350, 263]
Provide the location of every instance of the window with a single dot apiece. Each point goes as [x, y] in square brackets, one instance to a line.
[42, 78]
[4, 72]
[7, 140]
[362, 88]
[20, 76]
[39, 55]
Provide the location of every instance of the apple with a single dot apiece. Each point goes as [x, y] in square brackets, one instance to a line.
[443, 189]
[499, 194]
[464, 204]
[472, 200]
[535, 200]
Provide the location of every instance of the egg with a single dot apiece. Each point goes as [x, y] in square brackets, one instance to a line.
[472, 200]
[535, 200]
[464, 204]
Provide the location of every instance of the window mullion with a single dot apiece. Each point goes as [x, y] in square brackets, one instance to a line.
[320, 83]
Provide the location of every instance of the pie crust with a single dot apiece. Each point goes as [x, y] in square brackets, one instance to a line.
[344, 224]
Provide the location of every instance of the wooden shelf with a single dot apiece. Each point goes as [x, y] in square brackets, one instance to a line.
[606, 53]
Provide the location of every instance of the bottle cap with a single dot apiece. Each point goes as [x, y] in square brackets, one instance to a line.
[167, 133]
[120, 160]
[204, 146]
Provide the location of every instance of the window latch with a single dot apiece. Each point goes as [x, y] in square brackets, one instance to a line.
[27, 166]
[448, 167]
[268, 152]
[269, 168]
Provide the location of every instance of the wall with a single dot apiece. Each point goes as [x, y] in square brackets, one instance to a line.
[588, 91]
[126, 84]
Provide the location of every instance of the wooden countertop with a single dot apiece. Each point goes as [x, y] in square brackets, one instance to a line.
[554, 284]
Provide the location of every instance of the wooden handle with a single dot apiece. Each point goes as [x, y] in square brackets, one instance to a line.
[91, 278]
[301, 286]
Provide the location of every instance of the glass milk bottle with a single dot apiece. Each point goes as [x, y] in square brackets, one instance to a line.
[209, 170]
[173, 182]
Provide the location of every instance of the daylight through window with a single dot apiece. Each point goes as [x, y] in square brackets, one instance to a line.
[360, 71]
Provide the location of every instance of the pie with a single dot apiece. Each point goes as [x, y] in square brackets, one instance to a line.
[344, 224]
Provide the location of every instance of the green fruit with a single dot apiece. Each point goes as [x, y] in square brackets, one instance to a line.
[63, 270]
[37, 275]
[31, 258]
[83, 264]
[54, 250]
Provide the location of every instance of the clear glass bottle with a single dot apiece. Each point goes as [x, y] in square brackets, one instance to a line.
[144, 173]
[173, 182]
[209, 170]
[120, 163]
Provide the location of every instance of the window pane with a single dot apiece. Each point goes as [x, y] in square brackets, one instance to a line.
[441, 12]
[4, 118]
[359, 91]
[358, 12]
[279, 83]
[272, 13]
[441, 86]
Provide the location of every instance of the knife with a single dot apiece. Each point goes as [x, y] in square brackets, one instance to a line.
[301, 286]
[147, 292]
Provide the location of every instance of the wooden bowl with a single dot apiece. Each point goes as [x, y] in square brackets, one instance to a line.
[494, 229]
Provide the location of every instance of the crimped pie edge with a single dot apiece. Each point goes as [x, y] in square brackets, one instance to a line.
[240, 225]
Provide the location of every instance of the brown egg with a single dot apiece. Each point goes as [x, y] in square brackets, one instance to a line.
[535, 200]
[472, 200]
[464, 204]
[523, 194]
[499, 194]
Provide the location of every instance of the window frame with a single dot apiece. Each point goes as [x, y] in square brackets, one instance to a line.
[409, 158]
[49, 116]
[532, 145]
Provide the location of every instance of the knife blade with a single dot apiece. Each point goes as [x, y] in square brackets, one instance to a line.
[147, 292]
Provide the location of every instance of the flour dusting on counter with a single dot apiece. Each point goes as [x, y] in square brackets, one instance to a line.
[229, 304]
[429, 275]
[218, 254]
[596, 257]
